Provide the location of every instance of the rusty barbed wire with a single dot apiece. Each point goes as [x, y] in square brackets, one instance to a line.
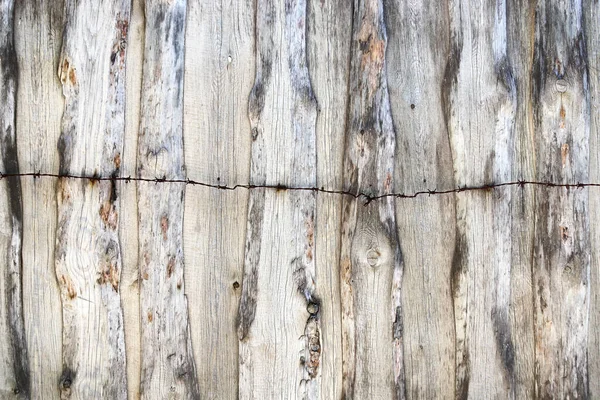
[357, 195]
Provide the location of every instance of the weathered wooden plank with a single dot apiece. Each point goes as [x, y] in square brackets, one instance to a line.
[561, 270]
[370, 260]
[479, 96]
[88, 259]
[520, 22]
[168, 367]
[128, 228]
[219, 74]
[39, 111]
[591, 33]
[416, 58]
[279, 313]
[519, 42]
[14, 361]
[328, 44]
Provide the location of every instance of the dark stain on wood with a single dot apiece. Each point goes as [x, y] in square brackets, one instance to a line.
[451, 76]
[66, 382]
[247, 307]
[459, 261]
[256, 102]
[462, 385]
[504, 344]
[14, 270]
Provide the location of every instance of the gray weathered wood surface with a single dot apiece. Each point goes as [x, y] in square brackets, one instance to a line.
[166, 290]
[168, 366]
[87, 254]
[14, 362]
[279, 317]
[370, 260]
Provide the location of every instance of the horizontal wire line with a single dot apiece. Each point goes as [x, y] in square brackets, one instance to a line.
[368, 198]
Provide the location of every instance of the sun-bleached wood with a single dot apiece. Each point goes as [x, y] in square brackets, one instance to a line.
[592, 35]
[561, 270]
[416, 56]
[499, 287]
[370, 259]
[128, 228]
[39, 112]
[14, 360]
[219, 73]
[519, 19]
[168, 367]
[279, 314]
[88, 256]
[479, 99]
[328, 51]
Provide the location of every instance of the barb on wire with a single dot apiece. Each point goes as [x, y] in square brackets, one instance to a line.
[357, 195]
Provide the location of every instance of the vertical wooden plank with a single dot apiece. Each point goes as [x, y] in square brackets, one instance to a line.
[39, 112]
[219, 73]
[370, 261]
[279, 313]
[14, 361]
[328, 43]
[520, 26]
[479, 97]
[560, 105]
[168, 367]
[88, 256]
[128, 228]
[591, 33]
[416, 58]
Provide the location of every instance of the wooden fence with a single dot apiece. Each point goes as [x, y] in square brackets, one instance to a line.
[362, 199]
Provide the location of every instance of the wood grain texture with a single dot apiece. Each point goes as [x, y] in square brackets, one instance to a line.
[14, 360]
[561, 267]
[482, 294]
[479, 97]
[168, 366]
[279, 313]
[370, 260]
[88, 255]
[40, 106]
[128, 228]
[520, 22]
[219, 73]
[591, 33]
[417, 53]
[328, 44]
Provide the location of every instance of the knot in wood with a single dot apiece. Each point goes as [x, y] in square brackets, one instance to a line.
[561, 85]
[373, 257]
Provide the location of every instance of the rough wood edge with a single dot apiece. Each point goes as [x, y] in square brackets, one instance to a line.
[10, 163]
